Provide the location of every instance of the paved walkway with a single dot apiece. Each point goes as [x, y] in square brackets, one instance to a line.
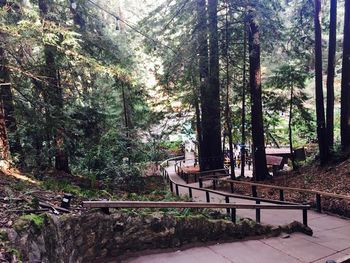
[331, 240]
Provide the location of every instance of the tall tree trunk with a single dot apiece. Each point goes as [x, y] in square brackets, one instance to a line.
[61, 157]
[331, 72]
[202, 46]
[290, 126]
[244, 86]
[345, 82]
[227, 108]
[198, 122]
[55, 95]
[320, 115]
[260, 171]
[211, 124]
[77, 17]
[4, 144]
[127, 122]
[10, 119]
[4, 81]
[7, 101]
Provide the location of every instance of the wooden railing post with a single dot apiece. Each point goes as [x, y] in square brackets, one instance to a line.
[214, 184]
[177, 189]
[227, 200]
[233, 215]
[207, 196]
[281, 195]
[305, 217]
[105, 210]
[257, 213]
[232, 189]
[200, 183]
[318, 203]
[254, 192]
[190, 192]
[171, 187]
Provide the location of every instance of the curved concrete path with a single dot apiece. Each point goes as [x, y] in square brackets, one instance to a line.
[331, 239]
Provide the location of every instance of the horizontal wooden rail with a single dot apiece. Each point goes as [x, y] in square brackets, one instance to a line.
[150, 204]
[285, 188]
[213, 171]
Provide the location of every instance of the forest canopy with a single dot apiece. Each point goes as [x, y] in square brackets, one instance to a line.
[88, 84]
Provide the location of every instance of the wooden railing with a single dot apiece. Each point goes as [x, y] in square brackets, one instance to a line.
[282, 189]
[174, 187]
[229, 206]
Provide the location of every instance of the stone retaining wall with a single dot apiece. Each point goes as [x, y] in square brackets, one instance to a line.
[91, 236]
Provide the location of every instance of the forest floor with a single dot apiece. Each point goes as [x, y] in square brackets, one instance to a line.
[22, 195]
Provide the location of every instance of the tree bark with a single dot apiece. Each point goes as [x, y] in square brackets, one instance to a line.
[260, 171]
[331, 72]
[4, 81]
[203, 72]
[7, 102]
[290, 127]
[10, 119]
[4, 144]
[198, 123]
[55, 95]
[244, 86]
[227, 108]
[320, 114]
[77, 17]
[345, 83]
[212, 157]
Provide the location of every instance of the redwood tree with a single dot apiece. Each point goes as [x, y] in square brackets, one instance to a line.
[320, 114]
[345, 82]
[202, 46]
[54, 93]
[211, 152]
[331, 72]
[244, 87]
[4, 81]
[227, 104]
[9, 143]
[260, 171]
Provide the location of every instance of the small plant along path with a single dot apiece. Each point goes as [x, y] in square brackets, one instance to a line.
[331, 239]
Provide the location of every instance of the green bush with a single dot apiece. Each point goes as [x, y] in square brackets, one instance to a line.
[123, 177]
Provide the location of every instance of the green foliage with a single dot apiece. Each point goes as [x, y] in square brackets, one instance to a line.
[277, 99]
[124, 177]
[172, 145]
[37, 221]
[104, 104]
[66, 186]
[15, 252]
[3, 236]
[61, 185]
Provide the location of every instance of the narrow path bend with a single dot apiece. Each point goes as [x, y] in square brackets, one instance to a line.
[331, 239]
